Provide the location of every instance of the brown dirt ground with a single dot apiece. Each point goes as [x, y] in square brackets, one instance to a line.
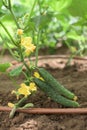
[72, 78]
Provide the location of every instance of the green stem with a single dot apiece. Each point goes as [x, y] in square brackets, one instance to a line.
[3, 50]
[5, 4]
[11, 11]
[39, 6]
[26, 65]
[14, 18]
[17, 105]
[22, 59]
[69, 60]
[12, 112]
[21, 101]
[25, 74]
[8, 33]
[37, 48]
[31, 12]
[9, 4]
[11, 51]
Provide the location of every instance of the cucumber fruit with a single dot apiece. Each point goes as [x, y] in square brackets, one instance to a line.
[55, 84]
[54, 95]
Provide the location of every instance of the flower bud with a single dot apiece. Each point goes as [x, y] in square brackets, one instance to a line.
[19, 31]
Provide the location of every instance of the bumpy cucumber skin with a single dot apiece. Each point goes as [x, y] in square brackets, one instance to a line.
[55, 84]
[54, 95]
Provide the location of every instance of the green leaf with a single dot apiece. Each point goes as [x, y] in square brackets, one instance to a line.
[73, 35]
[59, 5]
[4, 67]
[42, 20]
[19, 9]
[30, 27]
[78, 8]
[16, 72]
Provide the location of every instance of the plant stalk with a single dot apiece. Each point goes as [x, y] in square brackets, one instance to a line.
[8, 33]
[37, 48]
[14, 18]
[22, 60]
[17, 105]
[31, 12]
[12, 13]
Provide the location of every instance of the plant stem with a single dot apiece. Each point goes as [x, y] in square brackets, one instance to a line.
[31, 12]
[4, 4]
[37, 48]
[8, 33]
[17, 105]
[39, 6]
[11, 115]
[21, 101]
[22, 59]
[11, 11]
[9, 4]
[14, 18]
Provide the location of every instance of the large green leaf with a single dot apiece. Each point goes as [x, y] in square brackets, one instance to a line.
[78, 8]
[16, 72]
[4, 67]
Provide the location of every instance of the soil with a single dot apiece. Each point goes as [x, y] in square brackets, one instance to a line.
[73, 77]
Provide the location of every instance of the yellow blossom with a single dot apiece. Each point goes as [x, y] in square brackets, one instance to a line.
[24, 90]
[37, 75]
[19, 31]
[28, 49]
[26, 42]
[10, 104]
[32, 87]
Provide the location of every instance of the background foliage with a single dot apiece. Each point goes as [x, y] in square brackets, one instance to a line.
[59, 20]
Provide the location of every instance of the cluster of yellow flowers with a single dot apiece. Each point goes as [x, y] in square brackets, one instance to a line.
[25, 89]
[26, 42]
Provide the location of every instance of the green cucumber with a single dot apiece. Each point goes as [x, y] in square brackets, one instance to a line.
[55, 84]
[54, 95]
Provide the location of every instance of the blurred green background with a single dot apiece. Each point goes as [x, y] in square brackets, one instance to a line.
[60, 22]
